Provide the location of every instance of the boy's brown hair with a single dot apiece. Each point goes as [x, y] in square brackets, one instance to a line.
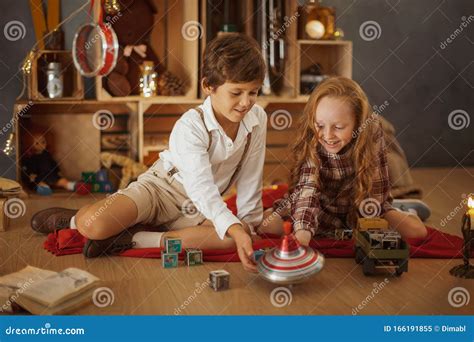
[232, 57]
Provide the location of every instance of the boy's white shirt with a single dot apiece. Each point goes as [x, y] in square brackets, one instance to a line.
[205, 175]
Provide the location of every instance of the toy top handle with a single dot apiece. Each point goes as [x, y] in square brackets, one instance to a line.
[287, 228]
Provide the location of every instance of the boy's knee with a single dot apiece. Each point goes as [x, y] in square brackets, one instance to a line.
[91, 227]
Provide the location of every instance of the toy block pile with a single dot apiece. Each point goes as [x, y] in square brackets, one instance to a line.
[173, 246]
[94, 182]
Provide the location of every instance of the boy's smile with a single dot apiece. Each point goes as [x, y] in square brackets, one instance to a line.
[232, 101]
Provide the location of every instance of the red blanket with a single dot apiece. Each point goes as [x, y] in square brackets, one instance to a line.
[435, 245]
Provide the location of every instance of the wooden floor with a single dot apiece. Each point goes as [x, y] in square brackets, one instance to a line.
[142, 286]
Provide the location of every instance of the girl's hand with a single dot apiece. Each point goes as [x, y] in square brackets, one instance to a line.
[303, 237]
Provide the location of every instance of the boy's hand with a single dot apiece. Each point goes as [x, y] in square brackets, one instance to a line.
[243, 243]
[303, 237]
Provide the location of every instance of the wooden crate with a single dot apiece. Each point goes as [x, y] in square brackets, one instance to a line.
[179, 55]
[248, 26]
[76, 143]
[73, 85]
[4, 219]
[334, 56]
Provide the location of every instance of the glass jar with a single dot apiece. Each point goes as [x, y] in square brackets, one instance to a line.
[316, 21]
[148, 79]
[54, 85]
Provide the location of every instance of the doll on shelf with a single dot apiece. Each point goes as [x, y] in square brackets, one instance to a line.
[39, 169]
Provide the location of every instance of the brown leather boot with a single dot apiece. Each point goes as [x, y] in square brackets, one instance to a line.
[48, 220]
[116, 244]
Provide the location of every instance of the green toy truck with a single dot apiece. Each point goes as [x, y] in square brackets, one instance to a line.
[378, 247]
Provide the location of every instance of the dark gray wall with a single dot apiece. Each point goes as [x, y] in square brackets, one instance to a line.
[422, 82]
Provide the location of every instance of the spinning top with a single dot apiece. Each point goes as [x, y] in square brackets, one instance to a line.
[290, 263]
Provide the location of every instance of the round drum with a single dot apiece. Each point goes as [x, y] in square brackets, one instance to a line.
[95, 49]
[290, 263]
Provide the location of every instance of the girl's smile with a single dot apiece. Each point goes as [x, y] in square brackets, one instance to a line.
[335, 122]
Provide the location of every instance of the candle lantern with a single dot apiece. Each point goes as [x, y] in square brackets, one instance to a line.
[466, 270]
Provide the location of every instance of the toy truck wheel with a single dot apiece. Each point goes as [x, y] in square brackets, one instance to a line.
[359, 255]
[368, 267]
[402, 267]
[398, 272]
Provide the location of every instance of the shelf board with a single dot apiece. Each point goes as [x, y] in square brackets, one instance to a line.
[157, 100]
[154, 99]
[70, 107]
[280, 99]
[323, 42]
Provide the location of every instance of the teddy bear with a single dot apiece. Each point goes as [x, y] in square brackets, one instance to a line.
[130, 168]
[133, 25]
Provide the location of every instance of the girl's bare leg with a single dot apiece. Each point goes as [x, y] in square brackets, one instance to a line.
[203, 236]
[409, 226]
[272, 223]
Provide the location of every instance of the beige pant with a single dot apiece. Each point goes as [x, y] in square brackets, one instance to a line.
[162, 200]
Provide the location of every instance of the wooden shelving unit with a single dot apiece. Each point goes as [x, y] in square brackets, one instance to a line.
[150, 120]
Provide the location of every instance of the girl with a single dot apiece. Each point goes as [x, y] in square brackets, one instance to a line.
[212, 147]
[340, 167]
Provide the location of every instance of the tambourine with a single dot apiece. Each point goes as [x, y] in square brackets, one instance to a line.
[95, 49]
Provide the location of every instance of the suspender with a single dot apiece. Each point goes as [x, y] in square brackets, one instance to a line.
[239, 165]
[201, 114]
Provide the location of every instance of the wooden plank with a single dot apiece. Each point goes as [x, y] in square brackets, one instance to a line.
[141, 286]
[161, 124]
[284, 137]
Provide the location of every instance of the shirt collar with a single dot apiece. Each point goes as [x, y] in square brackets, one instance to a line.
[249, 121]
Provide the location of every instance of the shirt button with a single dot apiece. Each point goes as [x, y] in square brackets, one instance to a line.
[229, 145]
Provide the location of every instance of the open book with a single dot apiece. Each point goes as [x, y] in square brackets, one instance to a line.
[44, 292]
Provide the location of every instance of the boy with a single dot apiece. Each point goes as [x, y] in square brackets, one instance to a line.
[212, 147]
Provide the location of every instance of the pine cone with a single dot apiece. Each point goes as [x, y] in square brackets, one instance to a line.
[170, 85]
